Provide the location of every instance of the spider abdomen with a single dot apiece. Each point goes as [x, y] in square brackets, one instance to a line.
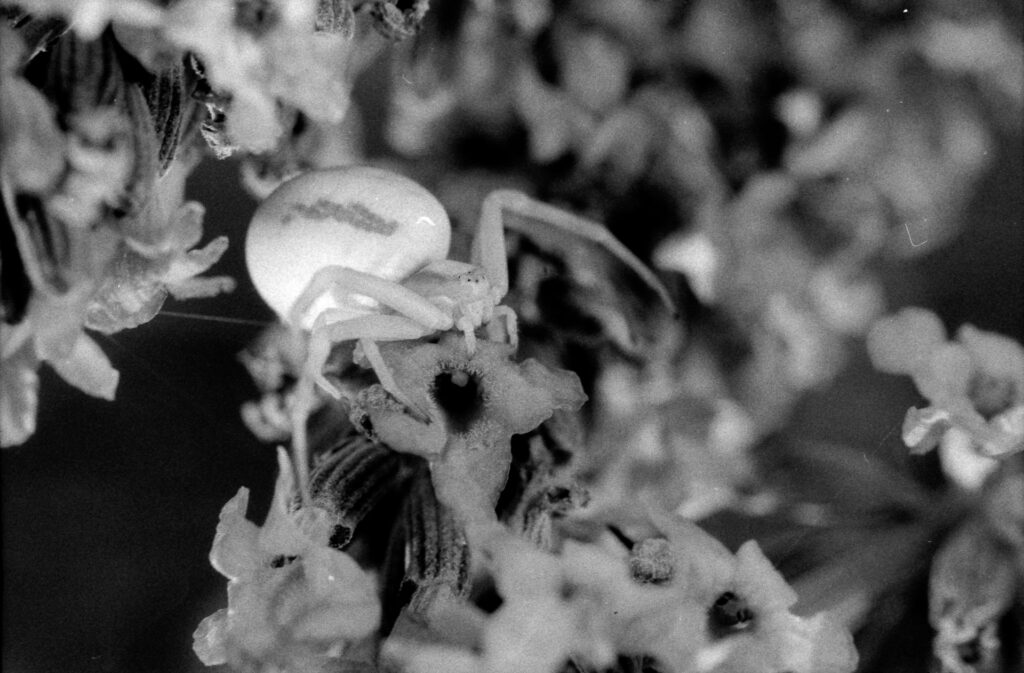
[362, 218]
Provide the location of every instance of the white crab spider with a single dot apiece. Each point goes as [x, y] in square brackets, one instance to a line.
[361, 254]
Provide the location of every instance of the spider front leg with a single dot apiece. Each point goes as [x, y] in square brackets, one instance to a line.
[343, 281]
[325, 334]
[511, 324]
[468, 329]
[418, 317]
[515, 210]
[336, 325]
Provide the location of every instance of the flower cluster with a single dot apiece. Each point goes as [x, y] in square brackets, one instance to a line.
[465, 511]
[683, 601]
[796, 142]
[975, 417]
[293, 602]
[106, 105]
[975, 386]
[475, 404]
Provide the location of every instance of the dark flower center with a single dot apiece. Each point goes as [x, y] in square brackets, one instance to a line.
[256, 16]
[969, 652]
[729, 613]
[461, 398]
[990, 395]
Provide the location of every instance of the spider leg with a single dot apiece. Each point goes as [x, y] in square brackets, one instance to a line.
[367, 329]
[515, 210]
[511, 324]
[489, 251]
[343, 280]
[387, 380]
[418, 317]
[468, 329]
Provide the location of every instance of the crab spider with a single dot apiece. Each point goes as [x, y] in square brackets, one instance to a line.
[361, 254]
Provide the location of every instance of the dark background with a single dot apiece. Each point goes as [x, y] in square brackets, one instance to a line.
[109, 511]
